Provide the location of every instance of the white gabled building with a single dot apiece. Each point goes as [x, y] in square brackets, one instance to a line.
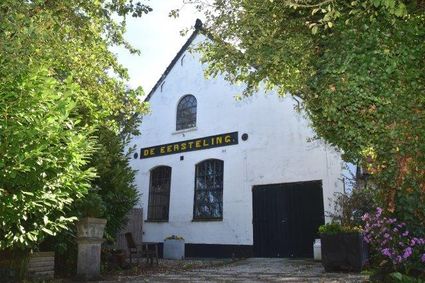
[230, 177]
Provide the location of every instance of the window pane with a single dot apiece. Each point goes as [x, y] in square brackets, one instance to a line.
[159, 193]
[209, 190]
[186, 113]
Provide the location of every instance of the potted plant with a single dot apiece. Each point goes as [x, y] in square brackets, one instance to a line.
[91, 208]
[174, 247]
[342, 242]
[343, 247]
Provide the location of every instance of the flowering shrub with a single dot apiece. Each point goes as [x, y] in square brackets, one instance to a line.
[392, 245]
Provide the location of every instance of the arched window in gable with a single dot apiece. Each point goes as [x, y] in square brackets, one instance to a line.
[186, 113]
[159, 193]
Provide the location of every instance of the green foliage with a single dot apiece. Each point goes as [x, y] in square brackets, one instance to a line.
[370, 79]
[44, 156]
[91, 205]
[73, 37]
[349, 208]
[358, 67]
[116, 182]
[62, 93]
[174, 237]
[336, 228]
[399, 277]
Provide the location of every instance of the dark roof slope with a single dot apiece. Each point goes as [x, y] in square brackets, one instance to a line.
[198, 28]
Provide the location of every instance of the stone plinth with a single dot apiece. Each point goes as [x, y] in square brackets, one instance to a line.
[89, 239]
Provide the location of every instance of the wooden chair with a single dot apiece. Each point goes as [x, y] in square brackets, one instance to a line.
[149, 250]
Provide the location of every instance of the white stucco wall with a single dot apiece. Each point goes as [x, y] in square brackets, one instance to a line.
[277, 151]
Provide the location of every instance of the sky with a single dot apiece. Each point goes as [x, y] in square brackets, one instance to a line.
[158, 38]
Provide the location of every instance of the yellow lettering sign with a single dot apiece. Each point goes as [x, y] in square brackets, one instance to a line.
[190, 145]
[198, 144]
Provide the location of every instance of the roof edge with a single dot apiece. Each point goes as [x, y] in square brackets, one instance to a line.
[198, 28]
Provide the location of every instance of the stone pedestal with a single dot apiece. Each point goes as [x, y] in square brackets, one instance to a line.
[89, 239]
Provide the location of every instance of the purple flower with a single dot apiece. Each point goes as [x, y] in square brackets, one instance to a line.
[405, 234]
[386, 252]
[423, 258]
[378, 212]
[407, 252]
[367, 239]
[395, 230]
[386, 235]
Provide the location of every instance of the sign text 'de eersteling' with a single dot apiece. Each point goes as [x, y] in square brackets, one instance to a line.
[190, 145]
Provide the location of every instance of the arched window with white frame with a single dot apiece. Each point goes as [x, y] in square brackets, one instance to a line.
[186, 113]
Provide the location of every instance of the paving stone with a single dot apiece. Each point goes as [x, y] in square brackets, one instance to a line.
[256, 270]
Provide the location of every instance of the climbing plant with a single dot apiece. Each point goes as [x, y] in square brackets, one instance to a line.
[358, 68]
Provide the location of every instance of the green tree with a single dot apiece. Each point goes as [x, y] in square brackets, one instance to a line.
[358, 67]
[44, 153]
[116, 182]
[62, 90]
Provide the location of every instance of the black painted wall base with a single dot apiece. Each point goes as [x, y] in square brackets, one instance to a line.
[214, 250]
[218, 251]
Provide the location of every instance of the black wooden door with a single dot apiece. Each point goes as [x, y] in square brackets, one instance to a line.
[286, 218]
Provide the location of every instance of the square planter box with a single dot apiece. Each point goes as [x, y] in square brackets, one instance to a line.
[343, 252]
[173, 249]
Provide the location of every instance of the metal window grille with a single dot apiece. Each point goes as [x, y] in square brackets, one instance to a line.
[159, 194]
[208, 203]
